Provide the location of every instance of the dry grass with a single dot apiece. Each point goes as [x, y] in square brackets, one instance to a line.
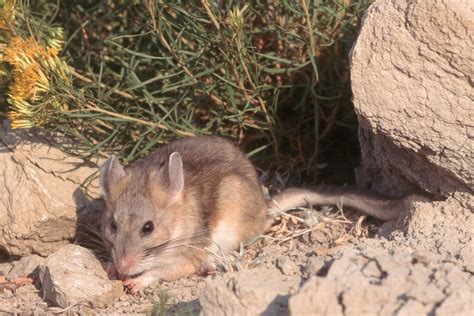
[230, 261]
[326, 230]
[330, 227]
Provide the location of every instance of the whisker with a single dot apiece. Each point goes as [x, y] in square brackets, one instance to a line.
[173, 246]
[177, 246]
[180, 241]
[170, 245]
[90, 236]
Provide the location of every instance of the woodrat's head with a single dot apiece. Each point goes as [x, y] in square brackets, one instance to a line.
[140, 218]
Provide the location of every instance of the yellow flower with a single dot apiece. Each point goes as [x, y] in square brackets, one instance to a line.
[6, 13]
[53, 51]
[23, 83]
[20, 53]
[18, 121]
[35, 70]
[236, 18]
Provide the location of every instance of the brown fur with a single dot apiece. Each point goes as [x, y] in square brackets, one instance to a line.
[205, 192]
[221, 189]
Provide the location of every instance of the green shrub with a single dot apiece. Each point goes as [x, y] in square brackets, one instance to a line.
[273, 75]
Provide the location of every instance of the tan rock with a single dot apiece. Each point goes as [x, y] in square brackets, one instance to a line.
[5, 268]
[73, 274]
[445, 228]
[25, 267]
[248, 292]
[412, 74]
[37, 203]
[287, 266]
[382, 282]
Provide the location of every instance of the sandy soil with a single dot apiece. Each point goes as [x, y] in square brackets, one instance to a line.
[321, 261]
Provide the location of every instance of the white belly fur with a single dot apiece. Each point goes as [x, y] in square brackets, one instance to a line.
[224, 237]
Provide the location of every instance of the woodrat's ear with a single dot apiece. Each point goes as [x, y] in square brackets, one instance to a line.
[111, 172]
[175, 176]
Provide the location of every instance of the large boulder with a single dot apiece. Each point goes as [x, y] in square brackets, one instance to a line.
[260, 291]
[38, 195]
[412, 78]
[445, 228]
[381, 282]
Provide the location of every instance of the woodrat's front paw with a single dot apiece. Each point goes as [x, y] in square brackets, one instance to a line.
[134, 285]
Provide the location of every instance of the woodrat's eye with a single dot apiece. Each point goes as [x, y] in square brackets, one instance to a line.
[147, 228]
[113, 226]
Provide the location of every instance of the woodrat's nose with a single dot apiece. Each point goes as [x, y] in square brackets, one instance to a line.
[125, 265]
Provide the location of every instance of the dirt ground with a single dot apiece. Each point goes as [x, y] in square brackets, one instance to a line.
[289, 239]
[318, 261]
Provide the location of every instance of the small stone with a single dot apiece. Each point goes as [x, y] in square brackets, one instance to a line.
[25, 267]
[5, 268]
[148, 291]
[302, 247]
[73, 274]
[6, 294]
[120, 304]
[313, 266]
[286, 266]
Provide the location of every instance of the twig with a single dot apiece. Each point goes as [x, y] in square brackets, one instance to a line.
[205, 3]
[58, 310]
[312, 44]
[260, 101]
[85, 79]
[132, 119]
[330, 122]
